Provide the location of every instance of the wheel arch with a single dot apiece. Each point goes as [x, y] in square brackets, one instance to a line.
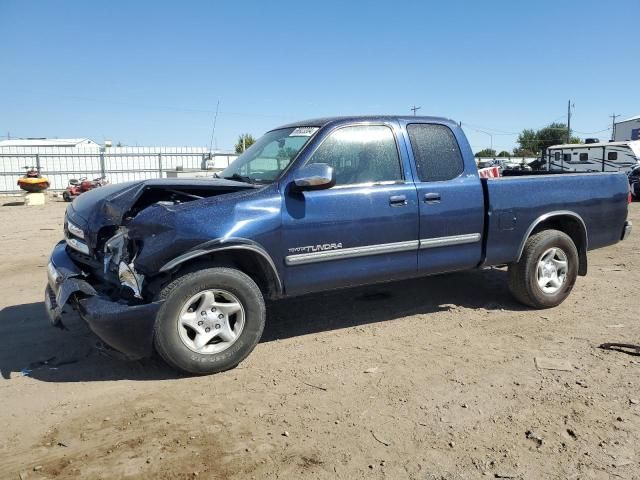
[246, 256]
[567, 222]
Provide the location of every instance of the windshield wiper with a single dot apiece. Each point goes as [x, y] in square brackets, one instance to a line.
[240, 178]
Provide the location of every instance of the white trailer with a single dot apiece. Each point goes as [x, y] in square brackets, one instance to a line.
[594, 157]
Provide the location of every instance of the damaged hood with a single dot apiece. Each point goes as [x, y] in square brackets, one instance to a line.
[109, 205]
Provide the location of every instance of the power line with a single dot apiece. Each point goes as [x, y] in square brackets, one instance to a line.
[184, 109]
[591, 133]
[492, 130]
[496, 131]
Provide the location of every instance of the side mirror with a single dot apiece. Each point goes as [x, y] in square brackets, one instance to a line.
[316, 176]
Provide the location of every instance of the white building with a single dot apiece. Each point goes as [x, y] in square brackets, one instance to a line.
[49, 143]
[63, 159]
[628, 129]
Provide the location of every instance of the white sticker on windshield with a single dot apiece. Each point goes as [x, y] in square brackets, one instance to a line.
[303, 131]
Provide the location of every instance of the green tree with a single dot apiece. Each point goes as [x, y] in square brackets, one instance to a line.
[536, 142]
[528, 140]
[244, 141]
[504, 153]
[486, 153]
[554, 134]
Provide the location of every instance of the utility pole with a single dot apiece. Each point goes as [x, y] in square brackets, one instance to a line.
[569, 122]
[213, 130]
[613, 125]
[414, 109]
[244, 137]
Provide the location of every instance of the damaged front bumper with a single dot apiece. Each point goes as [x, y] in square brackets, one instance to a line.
[126, 328]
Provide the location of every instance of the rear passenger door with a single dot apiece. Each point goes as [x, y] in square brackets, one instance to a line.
[451, 202]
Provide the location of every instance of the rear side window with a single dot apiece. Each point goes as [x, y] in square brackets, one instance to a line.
[584, 157]
[612, 156]
[435, 151]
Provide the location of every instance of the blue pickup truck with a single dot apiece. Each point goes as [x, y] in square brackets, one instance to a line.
[183, 267]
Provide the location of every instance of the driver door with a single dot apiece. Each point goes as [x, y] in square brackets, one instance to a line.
[362, 230]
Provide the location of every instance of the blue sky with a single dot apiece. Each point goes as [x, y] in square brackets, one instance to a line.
[151, 72]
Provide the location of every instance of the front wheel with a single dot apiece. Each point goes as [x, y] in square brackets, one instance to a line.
[210, 321]
[547, 270]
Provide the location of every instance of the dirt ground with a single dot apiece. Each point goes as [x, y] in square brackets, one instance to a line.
[424, 379]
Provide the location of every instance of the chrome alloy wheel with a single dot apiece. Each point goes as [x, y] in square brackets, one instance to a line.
[552, 270]
[211, 321]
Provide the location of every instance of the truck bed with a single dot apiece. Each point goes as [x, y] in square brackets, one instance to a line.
[515, 203]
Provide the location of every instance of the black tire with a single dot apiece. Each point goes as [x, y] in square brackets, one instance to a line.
[523, 282]
[167, 339]
[66, 197]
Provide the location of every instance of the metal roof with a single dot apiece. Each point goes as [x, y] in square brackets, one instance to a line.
[637, 117]
[47, 142]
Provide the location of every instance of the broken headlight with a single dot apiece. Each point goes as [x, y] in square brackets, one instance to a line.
[130, 278]
[119, 254]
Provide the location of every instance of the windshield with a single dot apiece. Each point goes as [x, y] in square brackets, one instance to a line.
[265, 160]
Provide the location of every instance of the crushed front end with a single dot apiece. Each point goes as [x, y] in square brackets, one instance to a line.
[116, 238]
[103, 286]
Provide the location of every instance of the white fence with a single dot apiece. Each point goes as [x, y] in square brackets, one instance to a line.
[520, 160]
[117, 164]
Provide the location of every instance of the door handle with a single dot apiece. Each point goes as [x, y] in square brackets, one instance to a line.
[397, 200]
[432, 197]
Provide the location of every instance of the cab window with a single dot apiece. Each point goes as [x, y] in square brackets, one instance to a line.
[361, 154]
[435, 151]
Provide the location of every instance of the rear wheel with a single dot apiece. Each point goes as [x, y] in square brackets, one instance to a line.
[66, 197]
[210, 321]
[547, 270]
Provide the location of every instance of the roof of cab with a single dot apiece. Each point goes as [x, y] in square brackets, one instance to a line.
[321, 122]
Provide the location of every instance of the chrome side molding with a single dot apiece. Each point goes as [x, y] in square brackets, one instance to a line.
[450, 241]
[354, 252]
[326, 255]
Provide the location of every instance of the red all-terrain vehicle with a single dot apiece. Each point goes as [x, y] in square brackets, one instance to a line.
[79, 186]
